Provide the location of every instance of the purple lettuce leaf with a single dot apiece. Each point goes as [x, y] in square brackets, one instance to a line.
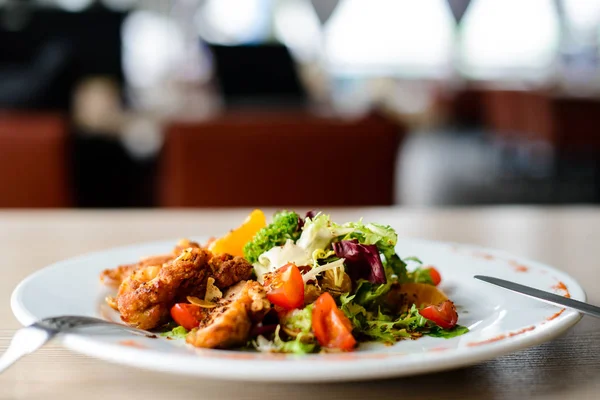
[361, 261]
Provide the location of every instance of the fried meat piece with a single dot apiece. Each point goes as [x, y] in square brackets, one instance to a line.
[229, 324]
[185, 244]
[146, 303]
[146, 296]
[116, 276]
[227, 269]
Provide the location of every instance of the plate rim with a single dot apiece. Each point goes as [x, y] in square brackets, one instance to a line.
[237, 369]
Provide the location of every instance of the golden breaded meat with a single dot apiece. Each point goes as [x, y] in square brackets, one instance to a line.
[229, 324]
[146, 303]
[116, 276]
[146, 296]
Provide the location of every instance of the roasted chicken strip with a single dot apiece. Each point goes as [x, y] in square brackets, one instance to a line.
[146, 296]
[229, 324]
[116, 276]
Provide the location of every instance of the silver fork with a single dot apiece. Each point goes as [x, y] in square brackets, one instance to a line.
[30, 338]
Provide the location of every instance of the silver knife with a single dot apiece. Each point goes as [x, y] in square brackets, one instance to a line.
[543, 296]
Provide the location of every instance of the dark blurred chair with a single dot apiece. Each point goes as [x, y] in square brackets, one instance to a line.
[48, 51]
[33, 160]
[461, 107]
[519, 114]
[276, 159]
[567, 122]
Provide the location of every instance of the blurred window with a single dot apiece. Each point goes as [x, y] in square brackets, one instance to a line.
[390, 37]
[297, 26]
[73, 5]
[512, 39]
[582, 16]
[121, 5]
[152, 46]
[231, 22]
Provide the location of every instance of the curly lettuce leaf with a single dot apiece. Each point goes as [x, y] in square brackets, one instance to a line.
[381, 327]
[420, 275]
[296, 346]
[312, 248]
[356, 313]
[298, 320]
[382, 236]
[179, 332]
[458, 330]
[318, 232]
[369, 295]
[384, 328]
[299, 345]
[285, 226]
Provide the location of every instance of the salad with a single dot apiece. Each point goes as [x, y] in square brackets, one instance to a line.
[299, 284]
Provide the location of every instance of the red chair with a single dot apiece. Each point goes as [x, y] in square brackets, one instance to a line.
[33, 160]
[279, 159]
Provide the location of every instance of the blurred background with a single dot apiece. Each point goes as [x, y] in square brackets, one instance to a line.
[219, 103]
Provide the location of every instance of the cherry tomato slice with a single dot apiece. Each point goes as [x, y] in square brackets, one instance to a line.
[443, 315]
[286, 287]
[186, 315]
[436, 278]
[331, 327]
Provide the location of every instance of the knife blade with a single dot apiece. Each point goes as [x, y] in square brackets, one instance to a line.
[542, 295]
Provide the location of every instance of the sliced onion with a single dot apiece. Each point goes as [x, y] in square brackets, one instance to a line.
[201, 303]
[312, 274]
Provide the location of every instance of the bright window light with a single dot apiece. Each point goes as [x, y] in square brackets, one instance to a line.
[298, 27]
[232, 22]
[582, 16]
[390, 37]
[509, 39]
[120, 5]
[152, 46]
[73, 5]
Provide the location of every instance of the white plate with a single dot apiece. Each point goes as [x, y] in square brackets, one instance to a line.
[499, 321]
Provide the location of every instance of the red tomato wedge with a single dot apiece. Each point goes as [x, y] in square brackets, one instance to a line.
[186, 315]
[436, 278]
[443, 315]
[331, 327]
[286, 287]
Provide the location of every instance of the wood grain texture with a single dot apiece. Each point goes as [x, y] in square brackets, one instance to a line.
[568, 367]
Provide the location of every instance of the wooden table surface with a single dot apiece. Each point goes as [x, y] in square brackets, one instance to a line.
[567, 238]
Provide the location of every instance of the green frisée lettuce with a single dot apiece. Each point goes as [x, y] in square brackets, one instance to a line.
[297, 325]
[285, 226]
[179, 332]
[312, 245]
[458, 330]
[382, 236]
[299, 345]
[384, 328]
[379, 326]
[319, 231]
[298, 321]
[357, 264]
[368, 295]
[420, 275]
